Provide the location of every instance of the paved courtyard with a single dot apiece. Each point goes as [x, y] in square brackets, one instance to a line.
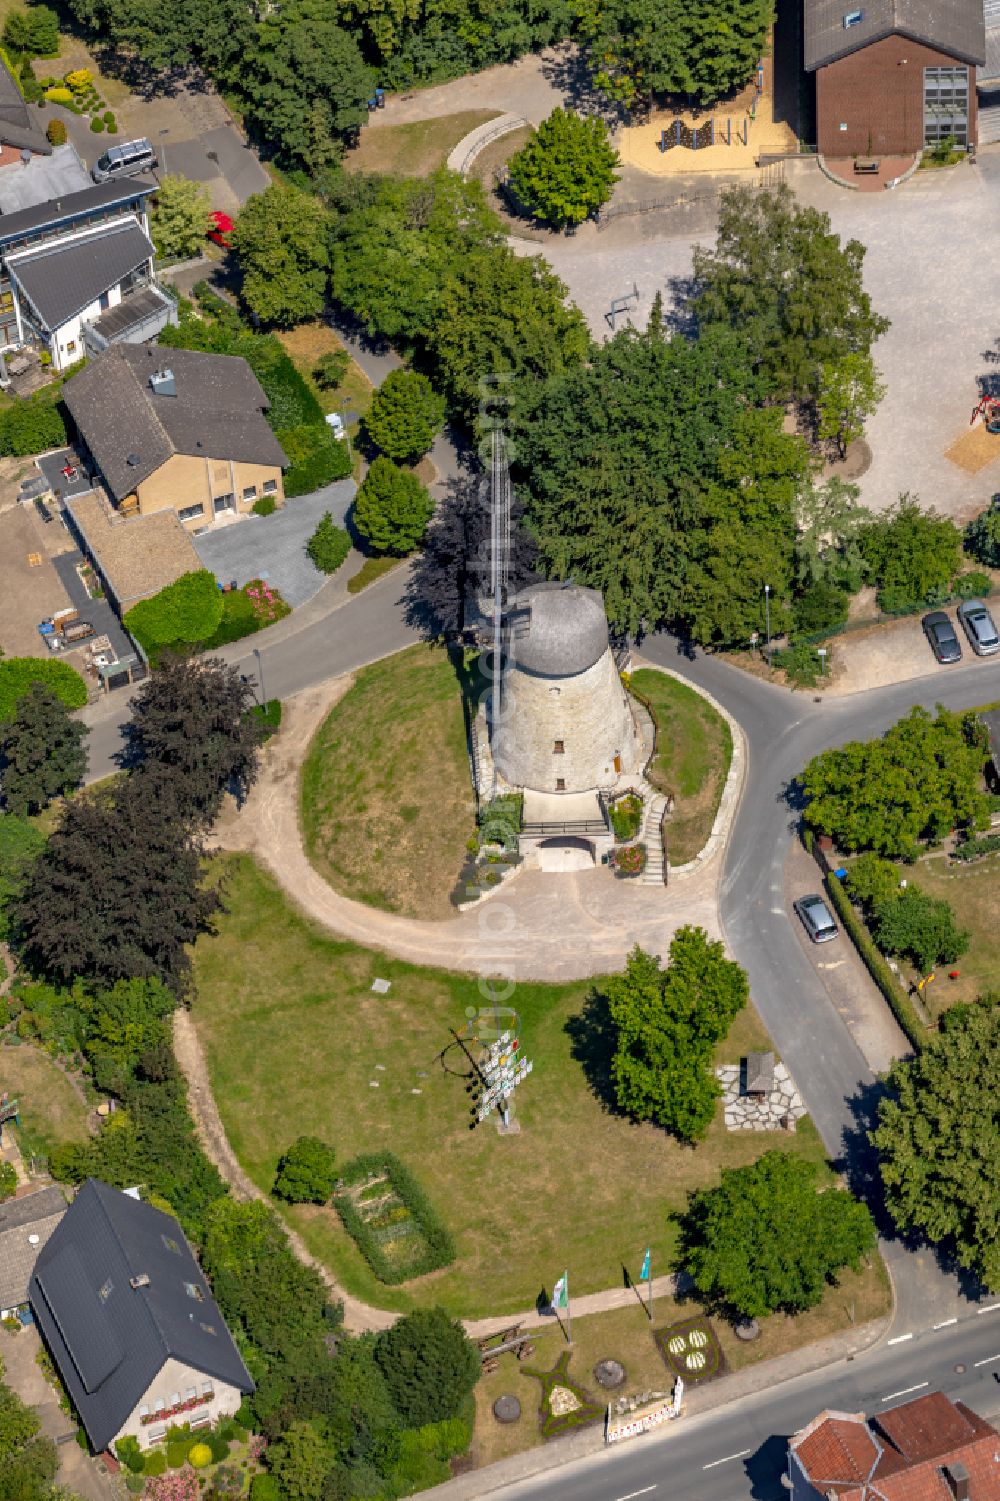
[928, 268]
[274, 547]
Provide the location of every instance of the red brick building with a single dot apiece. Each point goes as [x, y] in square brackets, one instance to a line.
[893, 76]
[931, 1449]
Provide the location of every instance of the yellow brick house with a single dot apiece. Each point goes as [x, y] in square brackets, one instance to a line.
[176, 429]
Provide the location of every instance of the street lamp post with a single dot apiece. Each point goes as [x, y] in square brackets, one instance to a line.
[767, 620]
[821, 653]
[260, 672]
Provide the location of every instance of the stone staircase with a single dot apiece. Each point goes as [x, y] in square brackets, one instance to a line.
[652, 817]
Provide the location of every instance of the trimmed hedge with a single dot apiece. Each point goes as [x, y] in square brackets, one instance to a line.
[18, 673]
[315, 457]
[439, 1248]
[189, 609]
[974, 849]
[32, 425]
[877, 965]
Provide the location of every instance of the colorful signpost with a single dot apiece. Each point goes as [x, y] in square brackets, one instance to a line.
[501, 1071]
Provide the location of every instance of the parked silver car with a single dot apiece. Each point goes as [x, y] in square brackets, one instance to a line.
[977, 622]
[817, 919]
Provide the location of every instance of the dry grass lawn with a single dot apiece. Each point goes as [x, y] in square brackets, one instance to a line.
[413, 150]
[305, 344]
[694, 747]
[387, 801]
[297, 1043]
[52, 1112]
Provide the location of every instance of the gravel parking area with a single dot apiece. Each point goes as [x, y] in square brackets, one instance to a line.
[273, 547]
[897, 652]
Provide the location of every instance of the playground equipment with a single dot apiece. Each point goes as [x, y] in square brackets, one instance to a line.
[621, 305]
[988, 408]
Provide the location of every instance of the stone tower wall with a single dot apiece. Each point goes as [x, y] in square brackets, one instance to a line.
[588, 713]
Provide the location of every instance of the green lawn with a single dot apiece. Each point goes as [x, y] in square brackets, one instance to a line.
[973, 891]
[52, 1112]
[371, 570]
[296, 1042]
[387, 801]
[694, 747]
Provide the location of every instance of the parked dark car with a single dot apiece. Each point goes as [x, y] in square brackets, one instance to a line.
[977, 623]
[941, 634]
[817, 919]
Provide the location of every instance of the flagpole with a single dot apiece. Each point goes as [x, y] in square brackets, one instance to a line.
[649, 1279]
[569, 1319]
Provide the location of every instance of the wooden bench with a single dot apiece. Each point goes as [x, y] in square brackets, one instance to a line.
[867, 168]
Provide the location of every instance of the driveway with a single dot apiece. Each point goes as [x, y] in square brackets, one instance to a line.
[274, 547]
[77, 1471]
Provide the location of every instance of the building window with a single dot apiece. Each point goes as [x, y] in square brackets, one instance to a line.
[71, 347]
[269, 486]
[155, 1434]
[190, 1392]
[159, 1405]
[144, 1409]
[194, 1291]
[250, 492]
[946, 105]
[175, 1399]
[225, 502]
[560, 784]
[190, 512]
[559, 749]
[207, 1389]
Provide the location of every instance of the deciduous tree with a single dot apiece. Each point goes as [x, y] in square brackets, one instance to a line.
[939, 1155]
[191, 729]
[908, 787]
[429, 1364]
[392, 508]
[566, 171]
[921, 927]
[180, 219]
[41, 752]
[982, 535]
[911, 553]
[405, 416]
[280, 244]
[780, 276]
[850, 392]
[667, 1023]
[307, 1172]
[771, 1236]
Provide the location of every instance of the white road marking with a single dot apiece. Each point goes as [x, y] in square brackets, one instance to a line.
[778, 911]
[741, 1455]
[900, 1338]
[988, 1361]
[832, 964]
[906, 1391]
[945, 1323]
[991, 1309]
[632, 1494]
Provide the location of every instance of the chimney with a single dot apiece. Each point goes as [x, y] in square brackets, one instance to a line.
[141, 1281]
[162, 383]
[956, 1478]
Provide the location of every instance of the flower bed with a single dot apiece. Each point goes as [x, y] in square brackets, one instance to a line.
[398, 1232]
[691, 1350]
[565, 1404]
[173, 1412]
[630, 860]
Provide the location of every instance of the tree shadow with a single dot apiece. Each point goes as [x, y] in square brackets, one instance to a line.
[351, 326]
[568, 69]
[678, 314]
[593, 1041]
[860, 1167]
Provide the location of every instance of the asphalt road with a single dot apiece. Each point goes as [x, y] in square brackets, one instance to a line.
[740, 1450]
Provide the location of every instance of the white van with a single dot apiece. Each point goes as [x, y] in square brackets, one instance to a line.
[128, 160]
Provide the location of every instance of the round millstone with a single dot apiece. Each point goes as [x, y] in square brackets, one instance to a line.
[747, 1329]
[609, 1373]
[507, 1409]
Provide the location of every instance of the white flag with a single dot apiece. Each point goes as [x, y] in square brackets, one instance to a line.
[560, 1293]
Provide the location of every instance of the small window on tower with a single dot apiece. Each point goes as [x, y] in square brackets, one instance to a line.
[560, 748]
[560, 784]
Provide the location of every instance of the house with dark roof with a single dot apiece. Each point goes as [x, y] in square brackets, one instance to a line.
[930, 1449]
[176, 429]
[76, 267]
[893, 76]
[130, 1321]
[26, 1225]
[19, 130]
